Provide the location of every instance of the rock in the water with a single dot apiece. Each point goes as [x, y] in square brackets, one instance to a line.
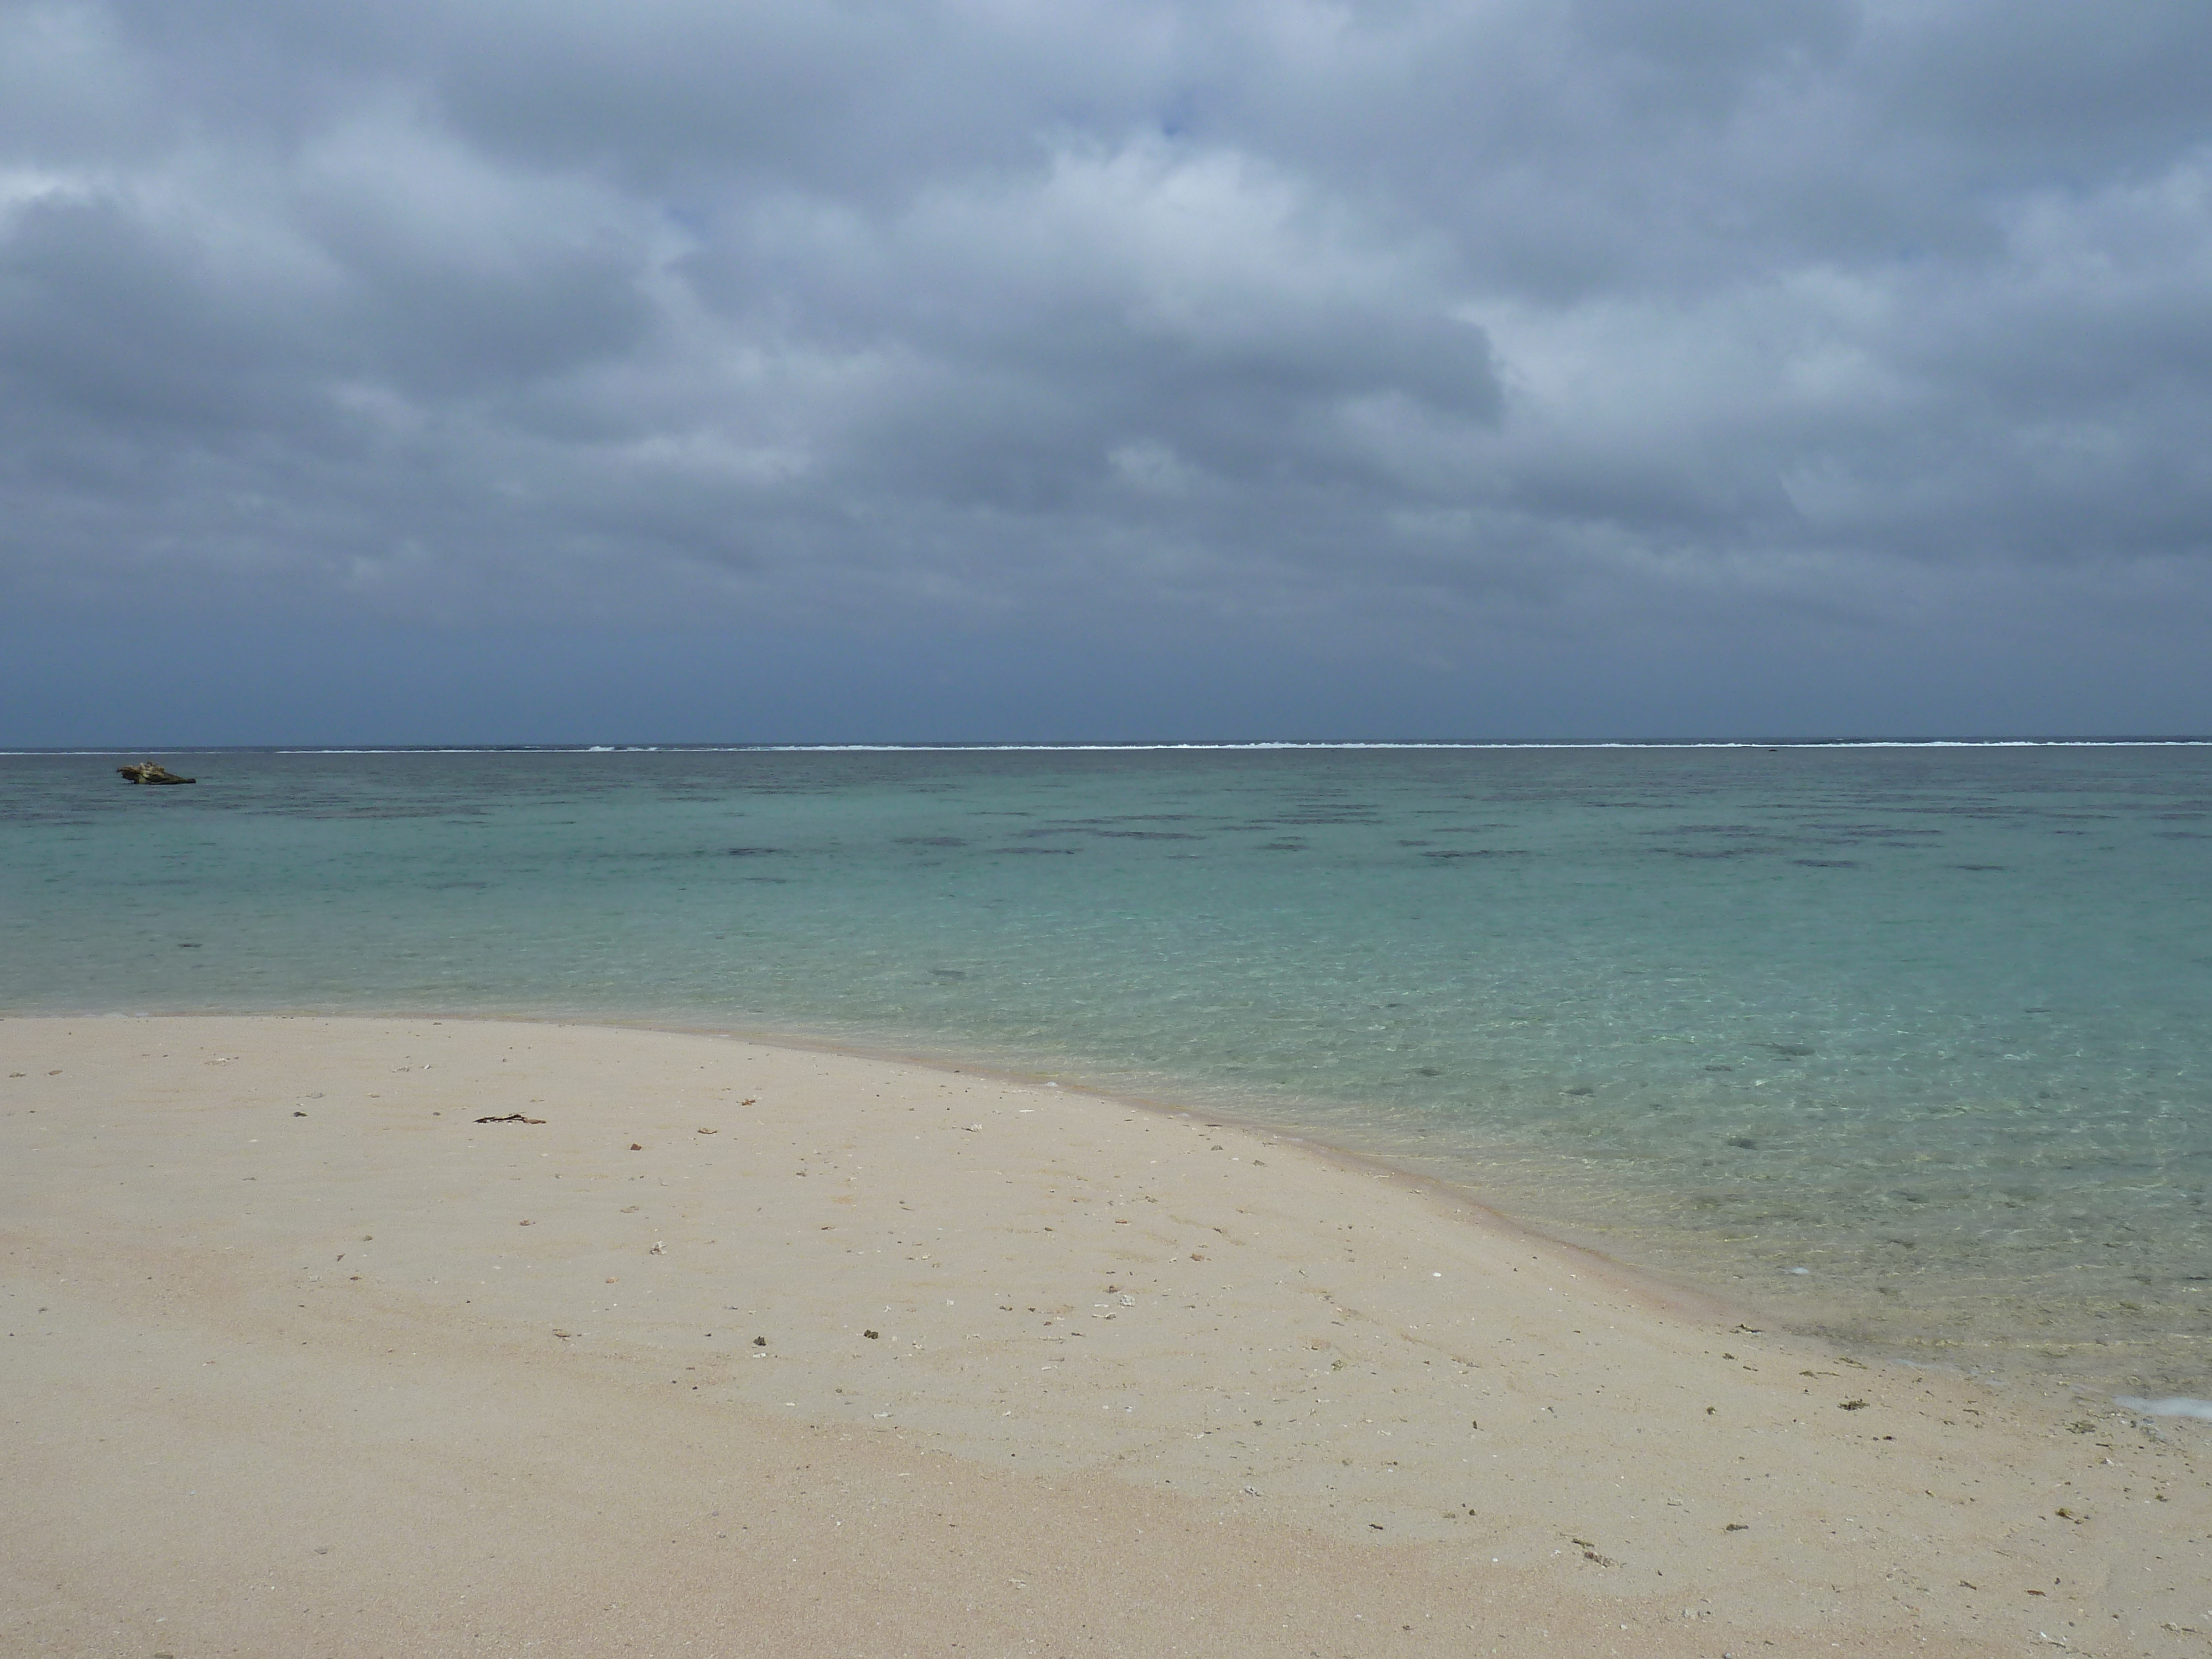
[149, 772]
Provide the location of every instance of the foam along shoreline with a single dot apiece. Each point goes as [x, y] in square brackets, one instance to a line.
[703, 1341]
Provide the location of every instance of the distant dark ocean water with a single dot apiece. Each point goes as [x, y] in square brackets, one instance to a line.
[1909, 1043]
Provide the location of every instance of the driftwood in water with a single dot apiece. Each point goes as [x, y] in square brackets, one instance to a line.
[148, 772]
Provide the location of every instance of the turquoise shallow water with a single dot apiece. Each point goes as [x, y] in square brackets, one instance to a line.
[1906, 1044]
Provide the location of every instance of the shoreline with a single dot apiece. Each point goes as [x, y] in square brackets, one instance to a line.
[832, 1354]
[1451, 1178]
[1657, 1285]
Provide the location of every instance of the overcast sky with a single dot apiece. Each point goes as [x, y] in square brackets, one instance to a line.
[696, 369]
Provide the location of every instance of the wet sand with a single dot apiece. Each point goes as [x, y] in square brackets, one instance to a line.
[746, 1350]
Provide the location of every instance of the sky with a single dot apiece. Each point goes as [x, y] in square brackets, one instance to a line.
[909, 370]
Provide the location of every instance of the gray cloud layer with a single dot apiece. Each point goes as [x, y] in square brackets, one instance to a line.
[1415, 327]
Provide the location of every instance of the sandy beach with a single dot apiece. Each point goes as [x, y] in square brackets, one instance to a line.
[704, 1346]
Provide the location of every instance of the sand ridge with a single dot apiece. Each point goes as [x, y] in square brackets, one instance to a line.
[747, 1349]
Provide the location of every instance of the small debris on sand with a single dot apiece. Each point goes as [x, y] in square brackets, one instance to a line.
[512, 1117]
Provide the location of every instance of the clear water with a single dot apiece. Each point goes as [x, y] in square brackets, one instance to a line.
[1926, 1024]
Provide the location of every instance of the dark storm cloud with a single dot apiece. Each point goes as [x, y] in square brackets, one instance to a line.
[1400, 321]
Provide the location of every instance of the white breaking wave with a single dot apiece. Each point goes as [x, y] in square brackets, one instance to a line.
[2179, 1404]
[1127, 748]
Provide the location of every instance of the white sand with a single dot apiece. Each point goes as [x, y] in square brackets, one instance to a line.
[378, 1379]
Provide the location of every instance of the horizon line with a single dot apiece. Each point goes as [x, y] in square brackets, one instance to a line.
[1113, 745]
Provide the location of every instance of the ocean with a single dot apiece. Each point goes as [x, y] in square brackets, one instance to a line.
[1904, 1044]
